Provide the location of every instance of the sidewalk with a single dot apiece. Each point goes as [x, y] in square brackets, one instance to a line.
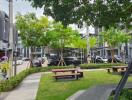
[27, 90]
[100, 92]
[25, 65]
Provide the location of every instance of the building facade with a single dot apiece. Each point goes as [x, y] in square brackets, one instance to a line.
[5, 35]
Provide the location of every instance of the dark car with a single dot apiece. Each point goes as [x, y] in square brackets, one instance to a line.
[116, 59]
[71, 60]
[53, 60]
[36, 63]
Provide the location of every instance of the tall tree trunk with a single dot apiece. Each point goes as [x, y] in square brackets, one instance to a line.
[112, 55]
[31, 56]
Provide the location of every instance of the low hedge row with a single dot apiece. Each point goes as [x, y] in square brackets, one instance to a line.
[7, 85]
[100, 65]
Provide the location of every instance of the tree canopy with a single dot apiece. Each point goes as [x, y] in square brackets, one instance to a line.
[94, 12]
[114, 38]
[31, 28]
[62, 36]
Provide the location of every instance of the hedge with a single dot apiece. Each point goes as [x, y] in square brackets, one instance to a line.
[7, 85]
[100, 65]
[126, 94]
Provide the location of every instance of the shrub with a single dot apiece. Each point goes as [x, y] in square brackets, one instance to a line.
[100, 65]
[4, 66]
[126, 94]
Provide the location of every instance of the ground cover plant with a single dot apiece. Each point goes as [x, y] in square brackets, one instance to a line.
[49, 89]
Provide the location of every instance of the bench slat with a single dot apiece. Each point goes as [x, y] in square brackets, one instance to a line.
[72, 74]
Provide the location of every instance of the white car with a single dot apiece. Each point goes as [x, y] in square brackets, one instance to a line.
[25, 59]
[101, 59]
[18, 62]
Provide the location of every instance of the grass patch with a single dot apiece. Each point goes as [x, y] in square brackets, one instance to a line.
[49, 89]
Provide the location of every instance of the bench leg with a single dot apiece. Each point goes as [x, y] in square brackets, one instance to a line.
[108, 70]
[76, 77]
[56, 78]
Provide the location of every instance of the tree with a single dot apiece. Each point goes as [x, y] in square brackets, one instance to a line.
[92, 44]
[100, 13]
[31, 29]
[61, 37]
[81, 44]
[92, 41]
[114, 37]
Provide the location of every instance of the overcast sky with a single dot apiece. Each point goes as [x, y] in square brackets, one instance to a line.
[21, 6]
[24, 7]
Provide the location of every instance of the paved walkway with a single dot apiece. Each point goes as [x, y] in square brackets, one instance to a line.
[101, 92]
[25, 65]
[27, 90]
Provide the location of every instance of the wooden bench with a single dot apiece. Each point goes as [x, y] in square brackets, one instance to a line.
[117, 69]
[67, 75]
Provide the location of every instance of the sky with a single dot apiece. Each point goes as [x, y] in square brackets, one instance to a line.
[24, 7]
[20, 6]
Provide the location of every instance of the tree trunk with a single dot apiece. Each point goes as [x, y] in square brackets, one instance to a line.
[31, 56]
[61, 62]
[112, 55]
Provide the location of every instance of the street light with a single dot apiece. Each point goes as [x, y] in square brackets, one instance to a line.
[87, 37]
[11, 35]
[15, 62]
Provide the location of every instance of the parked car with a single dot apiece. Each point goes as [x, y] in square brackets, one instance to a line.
[71, 60]
[100, 59]
[36, 63]
[25, 59]
[53, 60]
[4, 58]
[18, 62]
[116, 59]
[41, 60]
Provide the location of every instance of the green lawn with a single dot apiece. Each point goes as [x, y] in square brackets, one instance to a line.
[49, 89]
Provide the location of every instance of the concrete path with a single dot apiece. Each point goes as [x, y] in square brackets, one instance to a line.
[25, 65]
[27, 90]
[101, 92]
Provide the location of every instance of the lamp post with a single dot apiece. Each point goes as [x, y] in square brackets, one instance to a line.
[11, 35]
[87, 37]
[15, 62]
